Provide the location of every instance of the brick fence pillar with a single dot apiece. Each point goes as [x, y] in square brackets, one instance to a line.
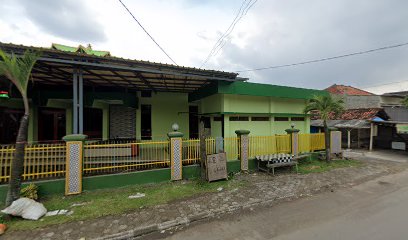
[244, 148]
[74, 161]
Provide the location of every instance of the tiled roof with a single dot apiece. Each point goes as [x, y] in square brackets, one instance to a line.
[352, 114]
[80, 49]
[347, 90]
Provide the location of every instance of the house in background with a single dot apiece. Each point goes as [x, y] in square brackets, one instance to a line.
[81, 90]
[369, 121]
[355, 125]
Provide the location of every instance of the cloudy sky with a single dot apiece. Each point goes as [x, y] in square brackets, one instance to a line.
[271, 33]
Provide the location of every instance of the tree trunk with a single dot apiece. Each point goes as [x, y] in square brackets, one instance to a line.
[327, 140]
[203, 152]
[17, 165]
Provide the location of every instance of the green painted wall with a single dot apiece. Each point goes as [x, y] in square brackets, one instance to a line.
[216, 127]
[167, 108]
[252, 106]
[212, 104]
[246, 104]
[285, 105]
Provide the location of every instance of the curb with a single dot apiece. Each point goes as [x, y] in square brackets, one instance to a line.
[140, 231]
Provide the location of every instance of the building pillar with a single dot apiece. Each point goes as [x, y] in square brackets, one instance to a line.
[244, 148]
[74, 162]
[176, 156]
[80, 102]
[75, 102]
[348, 138]
[371, 136]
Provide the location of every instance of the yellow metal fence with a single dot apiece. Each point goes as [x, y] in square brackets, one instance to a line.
[100, 158]
[40, 161]
[48, 160]
[262, 145]
[232, 146]
[317, 141]
[311, 142]
[191, 149]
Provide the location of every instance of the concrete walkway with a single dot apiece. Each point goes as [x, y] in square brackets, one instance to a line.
[261, 191]
[385, 155]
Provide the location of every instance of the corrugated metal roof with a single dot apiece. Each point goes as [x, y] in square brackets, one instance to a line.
[56, 67]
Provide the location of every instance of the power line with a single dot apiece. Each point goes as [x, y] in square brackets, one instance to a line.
[222, 36]
[219, 44]
[384, 84]
[147, 32]
[325, 59]
[225, 42]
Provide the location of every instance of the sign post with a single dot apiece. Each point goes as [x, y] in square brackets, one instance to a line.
[216, 166]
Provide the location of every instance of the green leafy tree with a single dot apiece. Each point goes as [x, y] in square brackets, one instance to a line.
[18, 70]
[405, 101]
[325, 106]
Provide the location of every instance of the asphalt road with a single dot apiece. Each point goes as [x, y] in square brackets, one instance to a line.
[374, 210]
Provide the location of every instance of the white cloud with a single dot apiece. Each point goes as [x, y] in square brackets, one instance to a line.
[272, 33]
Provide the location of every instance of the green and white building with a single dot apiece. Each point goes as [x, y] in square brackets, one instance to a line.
[80, 90]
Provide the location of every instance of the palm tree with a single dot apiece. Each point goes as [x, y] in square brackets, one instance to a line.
[18, 71]
[325, 105]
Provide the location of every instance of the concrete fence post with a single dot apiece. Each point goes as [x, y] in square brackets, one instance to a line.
[176, 156]
[335, 142]
[74, 163]
[219, 144]
[244, 148]
[294, 139]
[295, 143]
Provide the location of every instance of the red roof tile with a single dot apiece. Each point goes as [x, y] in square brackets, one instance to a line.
[347, 90]
[351, 114]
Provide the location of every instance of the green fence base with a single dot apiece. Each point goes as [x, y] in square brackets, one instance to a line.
[57, 186]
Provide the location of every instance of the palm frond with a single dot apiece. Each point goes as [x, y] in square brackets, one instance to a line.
[405, 101]
[18, 68]
[324, 105]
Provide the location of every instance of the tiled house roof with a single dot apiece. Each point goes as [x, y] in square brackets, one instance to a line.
[354, 114]
[347, 90]
[80, 49]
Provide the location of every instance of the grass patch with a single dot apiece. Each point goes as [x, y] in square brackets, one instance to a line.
[100, 203]
[316, 166]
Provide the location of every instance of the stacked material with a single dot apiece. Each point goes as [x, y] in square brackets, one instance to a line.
[276, 158]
